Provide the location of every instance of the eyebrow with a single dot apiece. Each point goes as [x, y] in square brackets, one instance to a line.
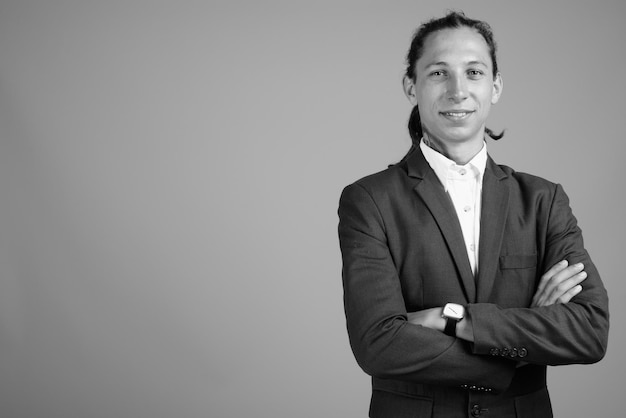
[443, 63]
[478, 63]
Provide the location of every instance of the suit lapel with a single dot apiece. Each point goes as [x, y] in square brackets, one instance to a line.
[495, 204]
[440, 206]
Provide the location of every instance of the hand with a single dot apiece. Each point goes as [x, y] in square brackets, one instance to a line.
[559, 284]
[429, 318]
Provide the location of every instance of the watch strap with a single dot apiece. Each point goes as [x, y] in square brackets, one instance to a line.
[450, 328]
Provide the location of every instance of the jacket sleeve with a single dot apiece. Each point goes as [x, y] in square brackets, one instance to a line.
[574, 332]
[384, 344]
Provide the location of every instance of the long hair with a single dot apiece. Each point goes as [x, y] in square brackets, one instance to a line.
[450, 21]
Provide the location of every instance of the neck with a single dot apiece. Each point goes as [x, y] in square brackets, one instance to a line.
[461, 153]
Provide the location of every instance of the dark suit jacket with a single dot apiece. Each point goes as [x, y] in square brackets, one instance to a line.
[403, 251]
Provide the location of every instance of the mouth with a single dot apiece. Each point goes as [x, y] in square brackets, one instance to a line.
[457, 115]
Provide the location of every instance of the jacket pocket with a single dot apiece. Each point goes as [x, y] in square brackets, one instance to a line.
[518, 261]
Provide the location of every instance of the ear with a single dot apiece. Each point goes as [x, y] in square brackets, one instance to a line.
[409, 89]
[498, 84]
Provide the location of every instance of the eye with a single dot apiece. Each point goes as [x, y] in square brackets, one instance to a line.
[437, 73]
[475, 74]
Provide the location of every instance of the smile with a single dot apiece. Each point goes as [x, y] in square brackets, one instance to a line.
[457, 115]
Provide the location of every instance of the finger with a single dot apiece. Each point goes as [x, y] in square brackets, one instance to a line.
[565, 287]
[553, 295]
[550, 273]
[562, 276]
[540, 296]
[567, 296]
[558, 284]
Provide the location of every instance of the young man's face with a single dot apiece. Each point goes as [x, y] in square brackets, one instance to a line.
[454, 86]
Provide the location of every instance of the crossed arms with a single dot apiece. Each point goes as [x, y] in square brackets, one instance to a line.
[565, 322]
[558, 285]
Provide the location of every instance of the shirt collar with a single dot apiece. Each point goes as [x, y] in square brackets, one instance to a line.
[443, 166]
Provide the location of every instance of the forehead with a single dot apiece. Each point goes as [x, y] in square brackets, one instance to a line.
[454, 46]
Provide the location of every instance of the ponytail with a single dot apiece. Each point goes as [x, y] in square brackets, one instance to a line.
[415, 131]
[415, 126]
[494, 135]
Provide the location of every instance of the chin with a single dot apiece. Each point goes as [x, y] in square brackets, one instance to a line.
[458, 136]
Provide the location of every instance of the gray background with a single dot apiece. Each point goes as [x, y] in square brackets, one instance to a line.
[170, 173]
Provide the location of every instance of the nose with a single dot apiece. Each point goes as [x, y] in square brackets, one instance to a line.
[457, 88]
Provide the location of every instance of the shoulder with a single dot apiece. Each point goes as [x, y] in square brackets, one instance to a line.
[533, 192]
[390, 181]
[529, 182]
[383, 178]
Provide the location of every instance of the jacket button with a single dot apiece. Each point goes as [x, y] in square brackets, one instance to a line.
[513, 353]
[522, 352]
[475, 411]
[505, 351]
[494, 352]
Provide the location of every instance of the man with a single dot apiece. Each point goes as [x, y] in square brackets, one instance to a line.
[463, 279]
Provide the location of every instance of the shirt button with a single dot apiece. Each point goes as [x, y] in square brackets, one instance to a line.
[467, 208]
[472, 247]
[462, 171]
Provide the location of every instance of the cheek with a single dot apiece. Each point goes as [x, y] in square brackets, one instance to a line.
[484, 99]
[490, 96]
[428, 108]
[427, 97]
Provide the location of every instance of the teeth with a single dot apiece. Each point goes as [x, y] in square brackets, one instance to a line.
[456, 114]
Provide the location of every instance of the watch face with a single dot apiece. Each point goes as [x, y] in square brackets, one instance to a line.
[454, 311]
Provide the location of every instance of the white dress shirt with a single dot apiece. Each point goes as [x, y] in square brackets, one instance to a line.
[464, 185]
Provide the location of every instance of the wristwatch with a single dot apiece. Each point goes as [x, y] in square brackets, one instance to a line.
[453, 313]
